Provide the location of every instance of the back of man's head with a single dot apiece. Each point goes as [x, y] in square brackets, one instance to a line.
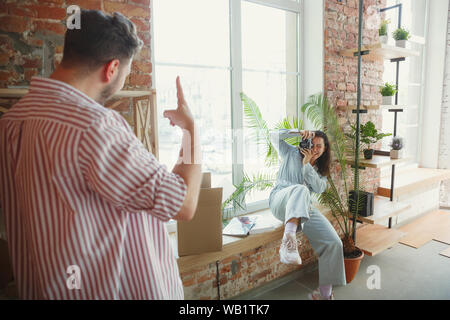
[100, 39]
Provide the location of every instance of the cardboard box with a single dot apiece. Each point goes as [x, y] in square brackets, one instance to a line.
[206, 180]
[204, 232]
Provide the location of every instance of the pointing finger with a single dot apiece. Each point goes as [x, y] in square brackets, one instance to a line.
[180, 94]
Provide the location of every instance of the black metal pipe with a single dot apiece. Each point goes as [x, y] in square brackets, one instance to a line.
[399, 6]
[358, 107]
[397, 81]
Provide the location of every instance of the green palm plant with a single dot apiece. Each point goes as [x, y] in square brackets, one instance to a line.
[260, 134]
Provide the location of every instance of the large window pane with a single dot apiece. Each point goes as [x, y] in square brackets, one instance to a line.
[192, 32]
[207, 93]
[410, 76]
[269, 38]
[192, 39]
[269, 77]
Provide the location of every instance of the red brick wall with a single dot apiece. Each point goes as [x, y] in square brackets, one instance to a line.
[340, 78]
[242, 272]
[32, 39]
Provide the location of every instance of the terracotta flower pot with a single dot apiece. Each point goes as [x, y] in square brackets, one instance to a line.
[352, 267]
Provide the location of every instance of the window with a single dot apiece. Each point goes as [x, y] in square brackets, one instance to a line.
[221, 48]
[410, 76]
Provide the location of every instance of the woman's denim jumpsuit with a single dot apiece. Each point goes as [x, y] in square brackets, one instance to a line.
[291, 198]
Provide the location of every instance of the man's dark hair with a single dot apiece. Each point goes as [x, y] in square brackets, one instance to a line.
[100, 39]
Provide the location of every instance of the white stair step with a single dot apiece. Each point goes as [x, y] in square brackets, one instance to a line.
[383, 209]
[412, 181]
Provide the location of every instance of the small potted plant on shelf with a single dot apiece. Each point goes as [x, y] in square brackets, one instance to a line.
[388, 91]
[401, 36]
[369, 135]
[396, 148]
[383, 31]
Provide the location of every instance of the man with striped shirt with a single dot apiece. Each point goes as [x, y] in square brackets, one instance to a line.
[84, 202]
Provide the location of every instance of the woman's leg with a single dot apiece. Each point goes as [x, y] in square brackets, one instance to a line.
[328, 246]
[290, 205]
[292, 225]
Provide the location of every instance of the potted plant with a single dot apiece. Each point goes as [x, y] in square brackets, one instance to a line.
[383, 31]
[401, 36]
[387, 92]
[396, 148]
[368, 136]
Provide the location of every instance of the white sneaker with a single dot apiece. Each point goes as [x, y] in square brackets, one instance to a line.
[289, 251]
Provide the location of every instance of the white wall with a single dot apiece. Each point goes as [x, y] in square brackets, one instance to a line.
[444, 144]
[434, 79]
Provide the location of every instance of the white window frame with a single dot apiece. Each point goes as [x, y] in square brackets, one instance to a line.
[237, 121]
[236, 83]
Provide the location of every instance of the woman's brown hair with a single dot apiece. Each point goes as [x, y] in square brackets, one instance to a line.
[323, 163]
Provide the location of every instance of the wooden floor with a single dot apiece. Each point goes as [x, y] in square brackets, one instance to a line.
[433, 226]
[446, 253]
[373, 239]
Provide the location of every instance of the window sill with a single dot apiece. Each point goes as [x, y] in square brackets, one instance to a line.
[233, 245]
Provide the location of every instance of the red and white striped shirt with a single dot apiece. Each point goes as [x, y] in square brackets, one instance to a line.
[78, 188]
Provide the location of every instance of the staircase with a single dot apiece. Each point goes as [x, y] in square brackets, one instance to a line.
[415, 192]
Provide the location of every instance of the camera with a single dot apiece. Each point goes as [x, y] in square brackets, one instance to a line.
[306, 144]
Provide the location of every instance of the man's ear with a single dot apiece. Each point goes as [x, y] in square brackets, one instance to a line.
[110, 70]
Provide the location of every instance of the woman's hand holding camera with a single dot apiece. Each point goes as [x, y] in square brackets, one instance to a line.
[307, 134]
[308, 155]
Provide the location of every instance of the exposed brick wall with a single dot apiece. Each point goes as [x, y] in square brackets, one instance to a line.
[245, 271]
[32, 39]
[242, 272]
[340, 78]
[444, 144]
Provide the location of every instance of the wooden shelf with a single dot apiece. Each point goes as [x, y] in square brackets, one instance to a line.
[376, 107]
[383, 51]
[373, 238]
[378, 161]
[350, 108]
[18, 93]
[383, 209]
[12, 93]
